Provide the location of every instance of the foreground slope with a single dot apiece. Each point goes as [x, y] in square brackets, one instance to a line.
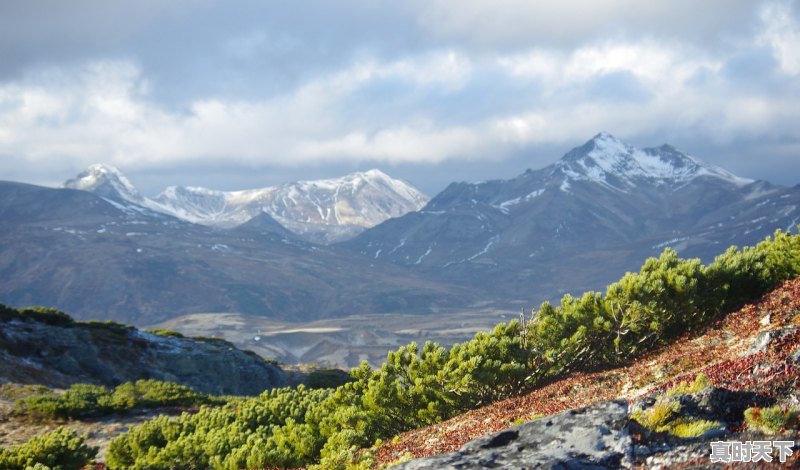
[753, 352]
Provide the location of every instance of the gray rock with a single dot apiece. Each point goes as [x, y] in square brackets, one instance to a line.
[765, 338]
[594, 437]
[109, 354]
[718, 404]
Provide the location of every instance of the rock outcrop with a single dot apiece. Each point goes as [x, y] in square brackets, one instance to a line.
[591, 437]
[602, 436]
[60, 353]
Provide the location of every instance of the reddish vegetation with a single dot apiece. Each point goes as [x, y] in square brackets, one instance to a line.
[719, 351]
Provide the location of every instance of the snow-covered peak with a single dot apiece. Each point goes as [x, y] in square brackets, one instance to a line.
[105, 181]
[611, 162]
[361, 199]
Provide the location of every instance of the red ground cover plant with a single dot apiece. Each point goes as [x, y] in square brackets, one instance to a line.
[719, 351]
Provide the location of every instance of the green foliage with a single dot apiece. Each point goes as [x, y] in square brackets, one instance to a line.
[79, 401]
[327, 378]
[273, 429]
[693, 427]
[771, 420]
[659, 416]
[61, 449]
[47, 315]
[12, 391]
[643, 310]
[212, 339]
[665, 416]
[699, 383]
[165, 332]
[109, 325]
[85, 400]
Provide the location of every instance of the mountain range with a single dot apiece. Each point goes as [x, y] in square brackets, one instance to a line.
[321, 211]
[99, 249]
[595, 213]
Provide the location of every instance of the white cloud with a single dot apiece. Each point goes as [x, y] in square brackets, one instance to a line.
[782, 34]
[106, 110]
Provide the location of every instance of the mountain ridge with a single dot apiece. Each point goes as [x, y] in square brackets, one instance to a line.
[531, 229]
[322, 211]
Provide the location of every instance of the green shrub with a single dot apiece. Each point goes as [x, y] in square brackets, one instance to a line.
[79, 401]
[13, 391]
[701, 382]
[658, 417]
[165, 332]
[665, 416]
[771, 420]
[109, 325]
[327, 378]
[90, 401]
[61, 449]
[693, 427]
[47, 315]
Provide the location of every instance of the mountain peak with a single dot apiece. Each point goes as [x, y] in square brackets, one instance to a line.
[611, 162]
[375, 173]
[105, 181]
[605, 137]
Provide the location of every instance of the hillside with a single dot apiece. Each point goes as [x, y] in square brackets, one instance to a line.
[755, 349]
[46, 347]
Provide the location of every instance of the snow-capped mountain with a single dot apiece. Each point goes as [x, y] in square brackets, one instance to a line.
[612, 163]
[105, 181]
[103, 258]
[322, 211]
[582, 220]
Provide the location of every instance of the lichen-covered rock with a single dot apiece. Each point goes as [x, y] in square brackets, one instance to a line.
[109, 354]
[587, 438]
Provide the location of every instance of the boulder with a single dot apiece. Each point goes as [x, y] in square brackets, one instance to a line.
[594, 437]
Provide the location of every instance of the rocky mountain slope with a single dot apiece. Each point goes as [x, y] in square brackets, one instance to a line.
[750, 357]
[322, 211]
[580, 222]
[49, 348]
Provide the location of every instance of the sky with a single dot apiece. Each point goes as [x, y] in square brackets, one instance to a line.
[249, 93]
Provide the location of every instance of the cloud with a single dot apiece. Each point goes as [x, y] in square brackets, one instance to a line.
[782, 34]
[417, 83]
[515, 24]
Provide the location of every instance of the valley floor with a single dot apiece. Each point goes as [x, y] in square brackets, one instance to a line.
[338, 342]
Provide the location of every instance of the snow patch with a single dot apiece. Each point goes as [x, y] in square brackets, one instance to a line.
[505, 205]
[419, 260]
[485, 250]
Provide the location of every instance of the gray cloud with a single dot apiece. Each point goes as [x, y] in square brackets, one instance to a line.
[247, 93]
